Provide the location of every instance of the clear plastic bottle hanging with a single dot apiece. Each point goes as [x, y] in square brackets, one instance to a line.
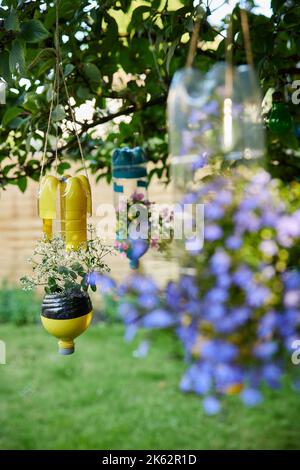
[215, 128]
[214, 120]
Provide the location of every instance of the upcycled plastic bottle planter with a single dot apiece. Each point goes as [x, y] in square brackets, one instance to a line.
[64, 205]
[215, 128]
[130, 181]
[214, 122]
[66, 316]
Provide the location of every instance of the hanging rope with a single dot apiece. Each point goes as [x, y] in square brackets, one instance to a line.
[47, 130]
[56, 91]
[193, 43]
[74, 122]
[247, 39]
[57, 62]
[229, 59]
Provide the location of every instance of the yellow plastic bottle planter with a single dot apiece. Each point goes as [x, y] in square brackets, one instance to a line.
[67, 200]
[66, 316]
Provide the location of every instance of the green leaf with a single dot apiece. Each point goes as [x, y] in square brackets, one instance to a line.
[22, 183]
[33, 31]
[83, 93]
[7, 169]
[10, 114]
[170, 54]
[17, 57]
[68, 69]
[137, 18]
[92, 72]
[58, 113]
[277, 4]
[125, 4]
[4, 66]
[11, 22]
[93, 287]
[62, 167]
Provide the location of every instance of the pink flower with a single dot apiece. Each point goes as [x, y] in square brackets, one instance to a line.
[154, 243]
[136, 196]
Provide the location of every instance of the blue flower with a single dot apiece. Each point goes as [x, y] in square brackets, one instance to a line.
[227, 375]
[173, 296]
[189, 198]
[202, 381]
[212, 233]
[214, 311]
[137, 249]
[219, 351]
[265, 351]
[158, 319]
[197, 378]
[242, 277]
[105, 283]
[251, 397]
[223, 280]
[142, 349]
[143, 284]
[201, 161]
[268, 324]
[225, 325]
[211, 405]
[272, 374]
[291, 279]
[187, 336]
[288, 322]
[292, 298]
[234, 242]
[188, 286]
[217, 295]
[246, 221]
[127, 312]
[257, 295]
[288, 228]
[224, 197]
[186, 383]
[213, 211]
[130, 332]
[148, 301]
[211, 108]
[240, 315]
[220, 263]
[248, 204]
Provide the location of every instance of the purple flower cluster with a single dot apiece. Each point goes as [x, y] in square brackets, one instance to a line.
[238, 315]
[141, 305]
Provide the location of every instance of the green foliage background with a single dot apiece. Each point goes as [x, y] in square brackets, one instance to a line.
[145, 41]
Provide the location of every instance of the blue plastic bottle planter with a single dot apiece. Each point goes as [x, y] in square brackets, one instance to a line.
[130, 177]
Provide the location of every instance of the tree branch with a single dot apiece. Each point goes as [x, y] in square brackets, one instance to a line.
[104, 119]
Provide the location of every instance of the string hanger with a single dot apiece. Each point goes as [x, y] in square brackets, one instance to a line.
[200, 16]
[58, 77]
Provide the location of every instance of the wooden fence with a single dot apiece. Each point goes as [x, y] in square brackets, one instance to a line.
[20, 227]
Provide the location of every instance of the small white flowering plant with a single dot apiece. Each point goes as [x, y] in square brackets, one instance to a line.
[59, 270]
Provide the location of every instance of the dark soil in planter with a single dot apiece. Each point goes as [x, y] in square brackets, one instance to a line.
[66, 305]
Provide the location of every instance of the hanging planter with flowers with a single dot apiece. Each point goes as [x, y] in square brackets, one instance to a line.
[66, 261]
[138, 227]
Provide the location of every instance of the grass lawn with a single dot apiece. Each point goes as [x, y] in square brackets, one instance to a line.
[103, 397]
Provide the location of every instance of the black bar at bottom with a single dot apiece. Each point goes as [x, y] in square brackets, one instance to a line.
[135, 458]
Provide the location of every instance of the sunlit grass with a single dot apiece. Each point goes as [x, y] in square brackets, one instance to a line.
[103, 397]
